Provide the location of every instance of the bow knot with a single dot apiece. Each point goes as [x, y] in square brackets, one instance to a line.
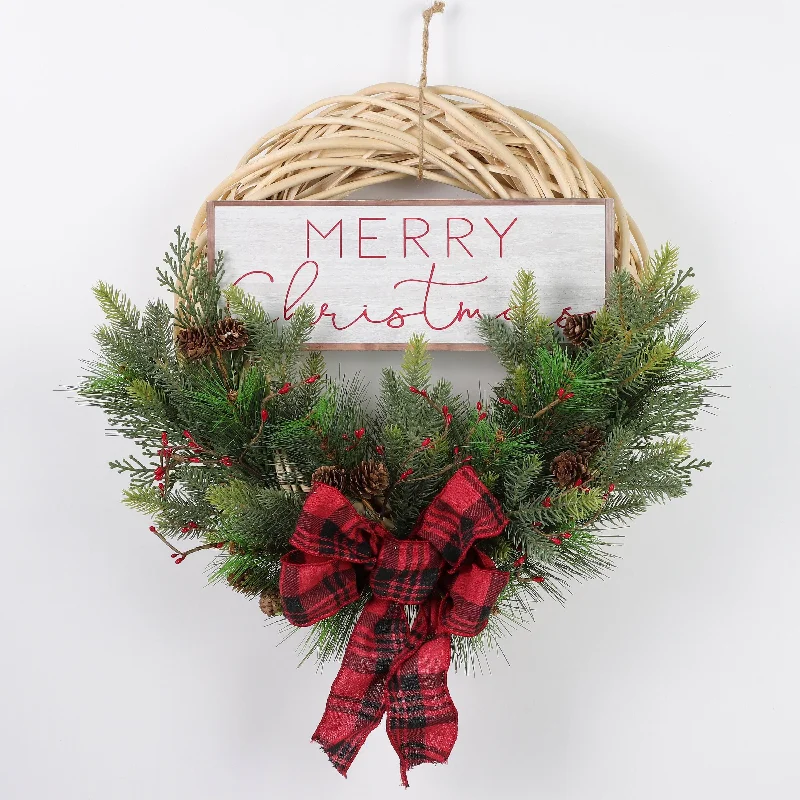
[387, 666]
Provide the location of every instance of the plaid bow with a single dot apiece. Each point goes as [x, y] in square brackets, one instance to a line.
[387, 666]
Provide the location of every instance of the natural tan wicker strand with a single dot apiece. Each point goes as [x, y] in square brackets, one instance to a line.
[341, 144]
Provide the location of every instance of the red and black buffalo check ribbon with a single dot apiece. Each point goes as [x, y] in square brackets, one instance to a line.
[387, 666]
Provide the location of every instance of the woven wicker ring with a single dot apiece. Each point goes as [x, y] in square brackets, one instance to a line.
[471, 141]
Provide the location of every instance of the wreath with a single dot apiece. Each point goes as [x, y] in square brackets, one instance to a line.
[416, 530]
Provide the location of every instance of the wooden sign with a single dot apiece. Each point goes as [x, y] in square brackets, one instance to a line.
[378, 271]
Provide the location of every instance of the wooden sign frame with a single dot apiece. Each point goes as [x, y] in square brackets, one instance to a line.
[608, 204]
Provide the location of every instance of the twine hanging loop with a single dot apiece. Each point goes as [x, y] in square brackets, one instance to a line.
[436, 8]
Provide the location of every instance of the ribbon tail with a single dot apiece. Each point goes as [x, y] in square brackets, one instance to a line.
[357, 699]
[422, 720]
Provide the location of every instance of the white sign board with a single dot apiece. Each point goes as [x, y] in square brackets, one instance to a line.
[376, 272]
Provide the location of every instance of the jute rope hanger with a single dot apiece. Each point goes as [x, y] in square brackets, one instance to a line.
[446, 134]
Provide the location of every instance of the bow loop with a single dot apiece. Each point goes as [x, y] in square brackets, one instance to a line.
[461, 514]
[473, 593]
[314, 588]
[330, 526]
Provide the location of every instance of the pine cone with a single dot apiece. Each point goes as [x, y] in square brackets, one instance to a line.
[238, 582]
[578, 327]
[588, 439]
[193, 343]
[230, 334]
[269, 601]
[568, 468]
[333, 476]
[369, 478]
[233, 396]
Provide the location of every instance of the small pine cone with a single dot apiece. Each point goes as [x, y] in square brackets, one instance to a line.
[568, 468]
[230, 334]
[578, 327]
[333, 476]
[193, 343]
[588, 439]
[238, 582]
[369, 479]
[233, 396]
[269, 601]
[500, 436]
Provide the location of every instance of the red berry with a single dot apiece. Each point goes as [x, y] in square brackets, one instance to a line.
[520, 561]
[359, 434]
[578, 482]
[611, 487]
[560, 393]
[158, 474]
[164, 439]
[547, 502]
[456, 450]
[426, 442]
[482, 416]
[379, 449]
[285, 389]
[479, 406]
[195, 460]
[566, 535]
[187, 435]
[264, 415]
[174, 555]
[555, 540]
[179, 560]
[406, 474]
[313, 379]
[226, 461]
[153, 529]
[538, 579]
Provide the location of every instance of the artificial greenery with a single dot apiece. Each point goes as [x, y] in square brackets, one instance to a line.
[228, 442]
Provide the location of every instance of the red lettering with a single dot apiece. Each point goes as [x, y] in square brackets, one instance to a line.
[501, 235]
[310, 225]
[362, 238]
[288, 307]
[451, 237]
[407, 238]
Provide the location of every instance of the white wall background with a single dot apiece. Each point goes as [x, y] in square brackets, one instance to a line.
[123, 677]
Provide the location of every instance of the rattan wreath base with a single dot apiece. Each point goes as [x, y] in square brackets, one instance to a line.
[471, 141]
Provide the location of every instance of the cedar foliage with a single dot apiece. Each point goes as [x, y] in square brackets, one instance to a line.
[245, 429]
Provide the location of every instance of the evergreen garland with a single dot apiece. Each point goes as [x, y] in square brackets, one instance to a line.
[232, 415]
